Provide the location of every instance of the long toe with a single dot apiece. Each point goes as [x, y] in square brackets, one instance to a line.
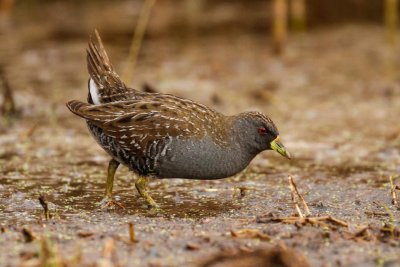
[109, 203]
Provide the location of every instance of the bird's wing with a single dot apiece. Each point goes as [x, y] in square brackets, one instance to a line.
[137, 124]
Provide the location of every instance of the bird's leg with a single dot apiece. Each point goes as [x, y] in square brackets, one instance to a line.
[107, 200]
[141, 186]
[112, 168]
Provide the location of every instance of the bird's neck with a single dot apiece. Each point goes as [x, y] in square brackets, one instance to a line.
[243, 135]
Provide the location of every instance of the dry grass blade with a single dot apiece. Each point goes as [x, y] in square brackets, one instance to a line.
[7, 107]
[376, 213]
[45, 205]
[137, 39]
[295, 191]
[132, 236]
[393, 193]
[84, 234]
[391, 18]
[250, 233]
[298, 209]
[338, 221]
[280, 25]
[298, 15]
[29, 236]
[292, 192]
[192, 246]
[322, 221]
[389, 226]
[28, 133]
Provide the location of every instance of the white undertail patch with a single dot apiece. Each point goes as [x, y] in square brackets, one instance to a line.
[94, 92]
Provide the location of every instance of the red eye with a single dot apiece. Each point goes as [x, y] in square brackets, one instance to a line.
[262, 131]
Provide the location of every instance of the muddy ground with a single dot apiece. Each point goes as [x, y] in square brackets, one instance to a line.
[334, 95]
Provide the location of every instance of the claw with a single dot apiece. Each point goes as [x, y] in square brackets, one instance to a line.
[155, 209]
[108, 202]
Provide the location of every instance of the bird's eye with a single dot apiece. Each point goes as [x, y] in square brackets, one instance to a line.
[262, 130]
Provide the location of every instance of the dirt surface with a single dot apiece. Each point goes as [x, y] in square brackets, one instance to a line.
[334, 95]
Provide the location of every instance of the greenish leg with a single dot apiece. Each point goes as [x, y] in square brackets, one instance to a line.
[107, 200]
[112, 168]
[141, 186]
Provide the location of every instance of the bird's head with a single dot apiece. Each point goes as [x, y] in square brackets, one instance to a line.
[258, 132]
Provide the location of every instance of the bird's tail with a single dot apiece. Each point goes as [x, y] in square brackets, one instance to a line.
[75, 106]
[105, 84]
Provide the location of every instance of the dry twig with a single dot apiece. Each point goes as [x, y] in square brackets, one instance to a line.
[84, 234]
[7, 108]
[45, 205]
[376, 213]
[250, 233]
[280, 25]
[132, 236]
[393, 191]
[192, 246]
[29, 236]
[28, 133]
[294, 190]
[322, 221]
[391, 18]
[137, 39]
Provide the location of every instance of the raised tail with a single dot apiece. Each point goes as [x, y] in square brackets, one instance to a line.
[105, 84]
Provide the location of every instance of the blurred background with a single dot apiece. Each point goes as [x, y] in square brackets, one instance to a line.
[327, 73]
[306, 62]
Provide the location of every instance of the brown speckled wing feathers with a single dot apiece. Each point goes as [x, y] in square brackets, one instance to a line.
[136, 124]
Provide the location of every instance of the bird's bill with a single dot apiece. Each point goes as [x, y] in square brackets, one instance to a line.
[280, 148]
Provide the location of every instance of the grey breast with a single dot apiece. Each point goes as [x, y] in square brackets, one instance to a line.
[181, 158]
[201, 159]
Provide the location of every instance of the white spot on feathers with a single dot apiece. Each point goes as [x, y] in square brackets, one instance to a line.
[94, 92]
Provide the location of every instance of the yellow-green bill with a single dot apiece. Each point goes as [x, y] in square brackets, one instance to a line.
[280, 148]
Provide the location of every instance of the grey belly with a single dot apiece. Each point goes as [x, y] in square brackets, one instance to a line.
[189, 159]
[194, 159]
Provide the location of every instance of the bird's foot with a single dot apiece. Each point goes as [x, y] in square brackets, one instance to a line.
[155, 209]
[109, 203]
[151, 204]
[141, 186]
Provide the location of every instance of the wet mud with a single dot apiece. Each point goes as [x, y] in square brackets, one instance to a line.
[334, 96]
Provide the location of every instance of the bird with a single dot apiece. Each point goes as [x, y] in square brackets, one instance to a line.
[165, 136]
